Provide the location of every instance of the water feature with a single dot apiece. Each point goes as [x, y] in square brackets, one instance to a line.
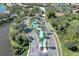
[44, 43]
[2, 8]
[5, 48]
[40, 33]
[34, 24]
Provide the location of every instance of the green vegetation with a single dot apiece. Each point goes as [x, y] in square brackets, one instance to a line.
[66, 25]
[5, 18]
[50, 13]
[35, 10]
[67, 28]
[18, 37]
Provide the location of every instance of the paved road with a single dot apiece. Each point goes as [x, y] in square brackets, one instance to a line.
[5, 49]
[34, 46]
[51, 41]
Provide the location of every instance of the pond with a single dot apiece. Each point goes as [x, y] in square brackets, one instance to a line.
[2, 8]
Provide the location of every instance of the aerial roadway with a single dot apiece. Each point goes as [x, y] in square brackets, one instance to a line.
[34, 48]
[52, 44]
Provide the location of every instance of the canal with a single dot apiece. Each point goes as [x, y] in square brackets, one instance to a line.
[5, 48]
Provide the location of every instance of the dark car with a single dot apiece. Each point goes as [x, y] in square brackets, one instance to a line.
[31, 38]
[52, 47]
[49, 33]
[43, 22]
[47, 37]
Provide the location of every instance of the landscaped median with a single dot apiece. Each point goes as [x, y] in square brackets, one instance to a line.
[39, 32]
[57, 40]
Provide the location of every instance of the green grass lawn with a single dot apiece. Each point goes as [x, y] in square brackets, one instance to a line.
[67, 52]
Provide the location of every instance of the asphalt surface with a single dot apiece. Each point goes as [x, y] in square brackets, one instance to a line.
[5, 49]
[34, 49]
[52, 45]
[34, 45]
